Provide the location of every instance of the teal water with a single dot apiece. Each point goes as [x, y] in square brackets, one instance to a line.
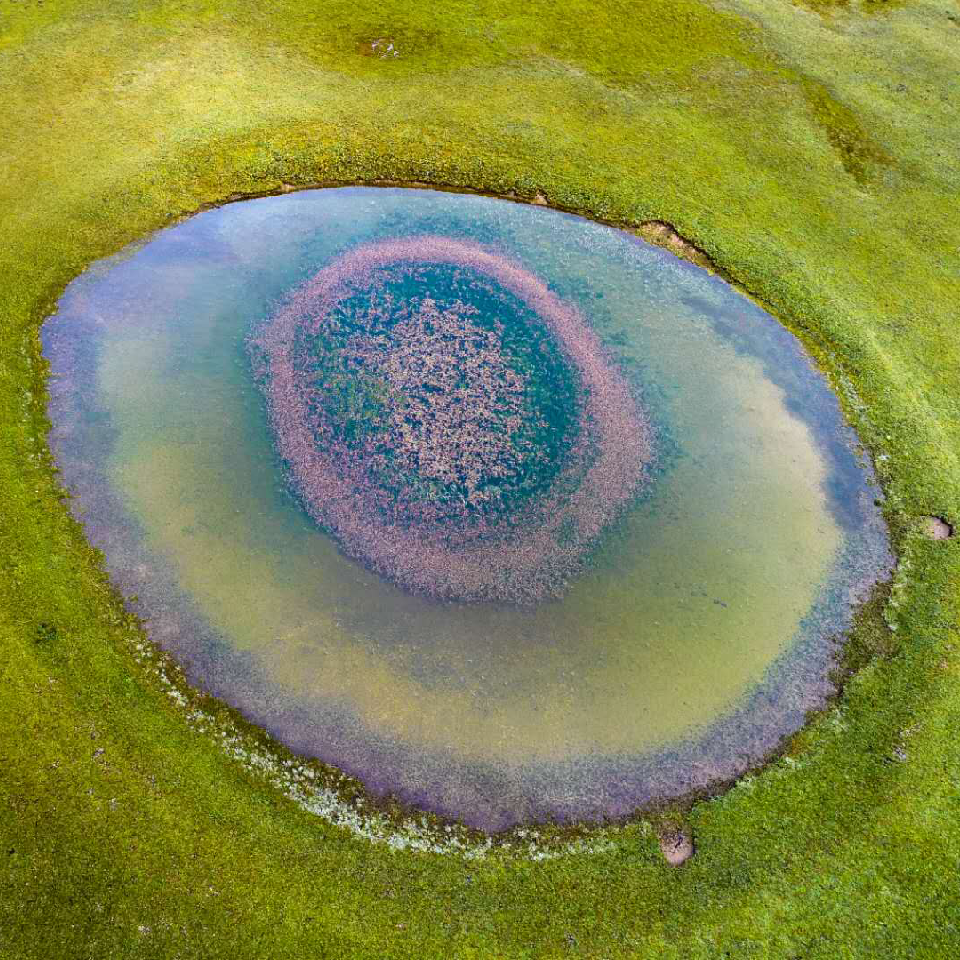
[530, 352]
[696, 633]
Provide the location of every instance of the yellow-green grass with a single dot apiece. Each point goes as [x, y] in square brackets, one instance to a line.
[809, 149]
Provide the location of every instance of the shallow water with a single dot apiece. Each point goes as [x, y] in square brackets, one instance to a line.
[697, 632]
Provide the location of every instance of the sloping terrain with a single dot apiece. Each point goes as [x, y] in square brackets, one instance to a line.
[809, 150]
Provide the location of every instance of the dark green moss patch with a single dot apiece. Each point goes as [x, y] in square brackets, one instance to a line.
[871, 636]
[862, 157]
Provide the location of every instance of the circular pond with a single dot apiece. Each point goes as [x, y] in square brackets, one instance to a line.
[508, 514]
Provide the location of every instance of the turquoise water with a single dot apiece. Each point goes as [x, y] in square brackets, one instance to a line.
[548, 407]
[698, 623]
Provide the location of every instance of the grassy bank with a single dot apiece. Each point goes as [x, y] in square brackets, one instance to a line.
[808, 149]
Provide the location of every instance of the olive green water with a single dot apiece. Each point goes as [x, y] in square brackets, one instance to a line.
[699, 634]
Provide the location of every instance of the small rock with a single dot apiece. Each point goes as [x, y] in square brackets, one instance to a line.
[938, 529]
[677, 847]
[539, 199]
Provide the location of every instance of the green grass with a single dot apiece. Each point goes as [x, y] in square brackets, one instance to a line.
[810, 151]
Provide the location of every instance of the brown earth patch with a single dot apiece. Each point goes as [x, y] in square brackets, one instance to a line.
[677, 846]
[662, 234]
[937, 528]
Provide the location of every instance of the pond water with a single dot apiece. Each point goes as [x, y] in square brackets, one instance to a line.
[506, 513]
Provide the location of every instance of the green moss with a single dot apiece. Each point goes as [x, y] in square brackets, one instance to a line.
[859, 153]
[870, 636]
[124, 831]
[862, 7]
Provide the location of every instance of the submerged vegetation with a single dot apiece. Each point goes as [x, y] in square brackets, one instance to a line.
[809, 154]
[461, 485]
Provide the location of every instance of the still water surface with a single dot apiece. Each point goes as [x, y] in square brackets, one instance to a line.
[695, 633]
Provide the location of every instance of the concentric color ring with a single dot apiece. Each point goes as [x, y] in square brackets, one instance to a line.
[533, 555]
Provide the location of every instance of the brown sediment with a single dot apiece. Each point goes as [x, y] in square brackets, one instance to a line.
[523, 558]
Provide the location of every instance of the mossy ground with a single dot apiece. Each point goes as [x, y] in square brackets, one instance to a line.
[809, 150]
